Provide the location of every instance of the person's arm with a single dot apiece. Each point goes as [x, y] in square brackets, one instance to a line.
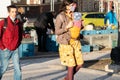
[22, 18]
[115, 17]
[1, 34]
[19, 17]
[51, 25]
[1, 28]
[105, 19]
[58, 26]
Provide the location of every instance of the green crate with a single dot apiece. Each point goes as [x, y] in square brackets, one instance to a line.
[114, 43]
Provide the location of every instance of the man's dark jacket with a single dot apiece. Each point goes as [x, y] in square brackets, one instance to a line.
[44, 21]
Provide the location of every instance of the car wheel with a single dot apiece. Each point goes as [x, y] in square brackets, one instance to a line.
[91, 24]
[89, 27]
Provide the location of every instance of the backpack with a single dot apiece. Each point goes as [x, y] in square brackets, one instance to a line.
[5, 24]
[4, 27]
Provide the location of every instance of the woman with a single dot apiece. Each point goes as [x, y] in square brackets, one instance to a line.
[21, 15]
[70, 53]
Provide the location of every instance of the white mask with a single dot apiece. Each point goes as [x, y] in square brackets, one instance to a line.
[72, 8]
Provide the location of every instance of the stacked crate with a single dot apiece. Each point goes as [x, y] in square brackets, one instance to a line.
[51, 43]
[94, 32]
[94, 39]
[114, 43]
[85, 48]
[101, 38]
[26, 49]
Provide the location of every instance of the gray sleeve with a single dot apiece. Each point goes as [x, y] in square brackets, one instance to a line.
[19, 17]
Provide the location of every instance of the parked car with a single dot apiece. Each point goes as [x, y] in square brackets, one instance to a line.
[96, 19]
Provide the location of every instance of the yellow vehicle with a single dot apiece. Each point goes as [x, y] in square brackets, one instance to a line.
[93, 18]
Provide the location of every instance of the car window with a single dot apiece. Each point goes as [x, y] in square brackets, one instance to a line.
[90, 16]
[99, 16]
[95, 16]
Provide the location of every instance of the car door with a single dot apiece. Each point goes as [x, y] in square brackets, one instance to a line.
[99, 19]
[89, 19]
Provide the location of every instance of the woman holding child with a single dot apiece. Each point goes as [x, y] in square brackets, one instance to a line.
[68, 33]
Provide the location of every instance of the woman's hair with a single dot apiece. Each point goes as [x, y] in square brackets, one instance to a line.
[64, 4]
[21, 10]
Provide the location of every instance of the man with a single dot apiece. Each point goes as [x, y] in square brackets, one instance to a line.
[10, 39]
[44, 22]
[110, 19]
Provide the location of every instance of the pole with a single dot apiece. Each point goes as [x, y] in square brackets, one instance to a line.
[118, 23]
[51, 5]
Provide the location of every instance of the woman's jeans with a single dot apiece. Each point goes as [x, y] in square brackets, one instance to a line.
[5, 56]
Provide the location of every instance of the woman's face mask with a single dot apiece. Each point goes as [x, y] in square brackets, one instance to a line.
[72, 7]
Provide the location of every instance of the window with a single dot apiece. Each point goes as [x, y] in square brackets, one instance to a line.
[99, 15]
[90, 16]
[95, 16]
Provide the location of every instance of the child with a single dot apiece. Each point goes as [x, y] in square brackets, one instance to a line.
[77, 25]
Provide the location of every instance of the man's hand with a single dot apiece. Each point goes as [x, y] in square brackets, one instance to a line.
[4, 49]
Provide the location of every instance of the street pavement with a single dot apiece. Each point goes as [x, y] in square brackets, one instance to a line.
[49, 68]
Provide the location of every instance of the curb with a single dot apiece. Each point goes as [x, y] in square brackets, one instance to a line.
[63, 68]
[50, 67]
[40, 56]
[98, 72]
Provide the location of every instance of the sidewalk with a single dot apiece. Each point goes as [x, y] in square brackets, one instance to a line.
[51, 69]
[47, 67]
[95, 55]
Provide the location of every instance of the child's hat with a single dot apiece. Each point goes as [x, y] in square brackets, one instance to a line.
[77, 15]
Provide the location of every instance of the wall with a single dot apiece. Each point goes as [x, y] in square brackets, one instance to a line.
[88, 5]
[3, 8]
[32, 11]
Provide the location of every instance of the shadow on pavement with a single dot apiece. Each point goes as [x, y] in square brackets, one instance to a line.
[48, 74]
[30, 61]
[105, 76]
[89, 63]
[59, 77]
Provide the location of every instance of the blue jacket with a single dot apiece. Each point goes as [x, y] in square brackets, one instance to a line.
[111, 16]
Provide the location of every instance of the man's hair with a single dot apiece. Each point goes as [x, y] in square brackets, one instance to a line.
[11, 6]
